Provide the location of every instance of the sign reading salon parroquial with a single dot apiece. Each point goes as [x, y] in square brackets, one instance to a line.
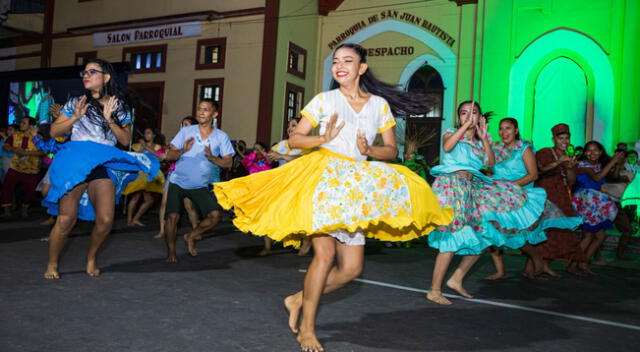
[147, 34]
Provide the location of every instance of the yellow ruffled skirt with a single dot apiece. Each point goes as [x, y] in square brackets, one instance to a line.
[324, 191]
[142, 184]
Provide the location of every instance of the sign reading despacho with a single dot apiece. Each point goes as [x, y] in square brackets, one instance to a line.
[392, 14]
[147, 34]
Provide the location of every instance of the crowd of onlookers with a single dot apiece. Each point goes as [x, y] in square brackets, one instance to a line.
[24, 168]
[26, 157]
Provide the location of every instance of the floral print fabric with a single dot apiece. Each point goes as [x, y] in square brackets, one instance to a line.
[551, 212]
[503, 153]
[471, 198]
[350, 191]
[596, 208]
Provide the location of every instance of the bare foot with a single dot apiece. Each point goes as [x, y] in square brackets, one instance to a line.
[191, 245]
[586, 270]
[171, 258]
[533, 276]
[138, 223]
[293, 305]
[264, 252]
[496, 276]
[457, 286]
[159, 235]
[437, 297]
[309, 342]
[52, 272]
[552, 273]
[92, 268]
[576, 271]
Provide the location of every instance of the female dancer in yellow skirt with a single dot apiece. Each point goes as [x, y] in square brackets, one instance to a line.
[141, 187]
[334, 195]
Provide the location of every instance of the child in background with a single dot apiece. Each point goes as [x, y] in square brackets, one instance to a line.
[257, 160]
[142, 187]
[6, 155]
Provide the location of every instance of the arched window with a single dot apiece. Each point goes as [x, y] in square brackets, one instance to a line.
[428, 81]
[424, 129]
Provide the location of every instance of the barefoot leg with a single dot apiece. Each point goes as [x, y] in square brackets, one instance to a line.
[131, 207]
[623, 242]
[599, 238]
[587, 238]
[267, 247]
[293, 305]
[102, 196]
[67, 215]
[210, 221]
[498, 263]
[163, 208]
[443, 259]
[171, 227]
[546, 267]
[192, 213]
[528, 270]
[350, 260]
[535, 257]
[314, 284]
[191, 244]
[146, 204]
[455, 281]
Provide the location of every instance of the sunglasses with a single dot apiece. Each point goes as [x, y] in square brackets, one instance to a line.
[90, 72]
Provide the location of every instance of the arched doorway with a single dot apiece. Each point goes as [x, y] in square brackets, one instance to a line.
[591, 59]
[560, 96]
[425, 129]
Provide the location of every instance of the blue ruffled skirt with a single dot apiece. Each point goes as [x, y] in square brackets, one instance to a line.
[74, 162]
[482, 206]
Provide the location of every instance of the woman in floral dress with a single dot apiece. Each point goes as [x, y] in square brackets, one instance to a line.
[597, 209]
[480, 203]
[516, 162]
[334, 196]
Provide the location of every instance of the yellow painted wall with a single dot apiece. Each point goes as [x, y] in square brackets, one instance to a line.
[241, 72]
[442, 13]
[389, 68]
[31, 22]
[71, 13]
[27, 62]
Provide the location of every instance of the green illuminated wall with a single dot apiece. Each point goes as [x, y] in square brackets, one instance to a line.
[522, 38]
[298, 23]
